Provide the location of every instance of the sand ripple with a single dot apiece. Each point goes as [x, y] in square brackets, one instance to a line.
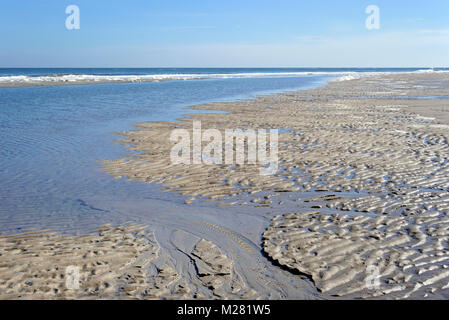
[113, 263]
[375, 165]
[346, 255]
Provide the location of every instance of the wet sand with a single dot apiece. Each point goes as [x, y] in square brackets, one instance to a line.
[113, 263]
[362, 191]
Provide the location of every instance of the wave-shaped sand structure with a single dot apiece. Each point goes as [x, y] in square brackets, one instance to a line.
[368, 155]
[113, 263]
[362, 256]
[363, 172]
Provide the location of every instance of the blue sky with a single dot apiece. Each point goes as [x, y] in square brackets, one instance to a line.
[227, 33]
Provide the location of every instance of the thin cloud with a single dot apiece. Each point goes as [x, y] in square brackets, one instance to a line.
[415, 19]
[185, 28]
[435, 32]
[311, 39]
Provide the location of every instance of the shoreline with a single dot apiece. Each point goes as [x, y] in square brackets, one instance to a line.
[70, 83]
[77, 79]
[339, 134]
[342, 156]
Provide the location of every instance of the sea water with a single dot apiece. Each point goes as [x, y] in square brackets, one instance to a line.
[53, 138]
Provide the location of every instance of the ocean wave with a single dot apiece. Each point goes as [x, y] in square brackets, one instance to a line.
[132, 78]
[358, 75]
[93, 78]
[431, 70]
[353, 76]
[149, 77]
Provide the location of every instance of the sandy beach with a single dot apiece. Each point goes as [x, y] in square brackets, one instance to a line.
[359, 207]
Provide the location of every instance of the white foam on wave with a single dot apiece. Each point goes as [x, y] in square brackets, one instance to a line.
[359, 75]
[352, 76]
[148, 77]
[91, 78]
[431, 70]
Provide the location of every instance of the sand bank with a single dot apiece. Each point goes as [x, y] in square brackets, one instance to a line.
[360, 207]
[369, 156]
[113, 263]
[358, 256]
